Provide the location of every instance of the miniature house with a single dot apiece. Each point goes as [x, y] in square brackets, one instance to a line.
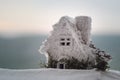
[69, 45]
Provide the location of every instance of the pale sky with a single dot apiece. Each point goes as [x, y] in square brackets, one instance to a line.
[38, 16]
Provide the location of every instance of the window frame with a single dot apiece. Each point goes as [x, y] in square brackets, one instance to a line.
[65, 42]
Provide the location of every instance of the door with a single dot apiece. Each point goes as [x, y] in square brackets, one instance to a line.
[61, 65]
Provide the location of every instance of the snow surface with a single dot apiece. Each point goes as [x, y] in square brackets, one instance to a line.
[57, 74]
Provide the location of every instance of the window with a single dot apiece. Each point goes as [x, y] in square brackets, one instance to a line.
[62, 39]
[68, 39]
[62, 43]
[68, 44]
[65, 42]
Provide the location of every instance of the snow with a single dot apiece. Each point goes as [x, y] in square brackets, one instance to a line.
[79, 51]
[78, 30]
[57, 74]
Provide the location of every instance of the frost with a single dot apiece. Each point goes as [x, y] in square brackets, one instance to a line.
[70, 38]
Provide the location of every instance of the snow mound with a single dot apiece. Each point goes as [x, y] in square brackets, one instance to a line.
[58, 74]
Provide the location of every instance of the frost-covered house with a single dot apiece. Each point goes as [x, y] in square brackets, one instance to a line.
[69, 45]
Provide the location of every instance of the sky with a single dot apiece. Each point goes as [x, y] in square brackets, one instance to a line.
[38, 16]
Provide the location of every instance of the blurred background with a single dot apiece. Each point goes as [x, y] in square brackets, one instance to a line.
[25, 24]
